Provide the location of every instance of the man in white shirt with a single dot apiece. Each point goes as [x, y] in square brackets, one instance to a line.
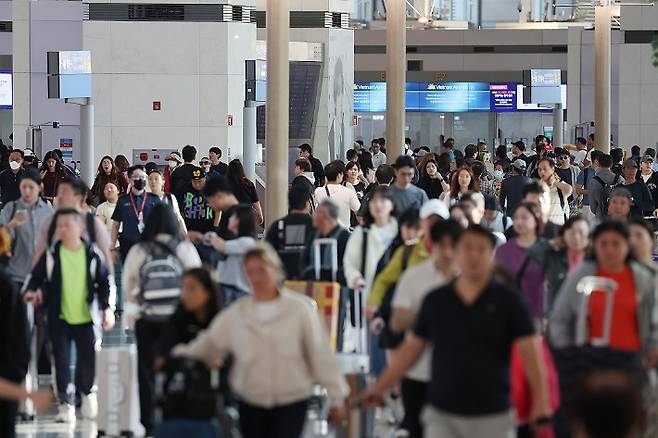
[345, 198]
[378, 157]
[414, 285]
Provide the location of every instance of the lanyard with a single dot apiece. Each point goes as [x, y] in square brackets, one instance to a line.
[138, 214]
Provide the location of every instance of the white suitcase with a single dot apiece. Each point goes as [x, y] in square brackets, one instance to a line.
[118, 396]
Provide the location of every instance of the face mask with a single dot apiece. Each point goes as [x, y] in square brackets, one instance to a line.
[498, 173]
[173, 163]
[139, 184]
[15, 165]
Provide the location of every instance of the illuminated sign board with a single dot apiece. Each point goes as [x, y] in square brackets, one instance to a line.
[452, 97]
[542, 78]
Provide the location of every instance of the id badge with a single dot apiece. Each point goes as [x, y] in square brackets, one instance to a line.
[140, 224]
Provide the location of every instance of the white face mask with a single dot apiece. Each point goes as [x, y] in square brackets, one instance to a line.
[15, 165]
[498, 173]
[173, 163]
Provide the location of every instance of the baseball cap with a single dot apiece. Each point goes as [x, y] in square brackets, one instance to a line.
[434, 207]
[647, 159]
[519, 164]
[150, 167]
[174, 156]
[630, 163]
[198, 173]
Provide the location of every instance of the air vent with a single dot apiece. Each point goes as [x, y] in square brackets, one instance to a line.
[309, 20]
[483, 49]
[167, 12]
[156, 12]
[6, 26]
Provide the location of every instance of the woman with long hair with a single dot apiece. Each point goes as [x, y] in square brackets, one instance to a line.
[379, 229]
[280, 351]
[52, 173]
[558, 190]
[462, 181]
[242, 223]
[161, 232]
[156, 183]
[631, 341]
[107, 172]
[243, 188]
[559, 257]
[431, 180]
[513, 255]
[200, 301]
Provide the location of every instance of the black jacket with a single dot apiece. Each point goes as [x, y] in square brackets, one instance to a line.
[181, 328]
[318, 171]
[14, 340]
[47, 276]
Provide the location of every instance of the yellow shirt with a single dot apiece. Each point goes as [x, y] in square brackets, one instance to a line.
[391, 274]
[74, 305]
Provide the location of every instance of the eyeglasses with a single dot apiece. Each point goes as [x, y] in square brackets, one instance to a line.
[205, 163]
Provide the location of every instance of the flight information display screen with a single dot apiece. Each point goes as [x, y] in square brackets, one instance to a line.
[450, 97]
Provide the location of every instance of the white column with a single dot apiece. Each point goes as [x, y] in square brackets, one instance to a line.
[87, 154]
[249, 145]
[278, 37]
[602, 58]
[396, 68]
[558, 125]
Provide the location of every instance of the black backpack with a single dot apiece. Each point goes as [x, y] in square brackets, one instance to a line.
[186, 390]
[160, 279]
[606, 190]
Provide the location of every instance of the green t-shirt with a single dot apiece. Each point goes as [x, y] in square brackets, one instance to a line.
[74, 306]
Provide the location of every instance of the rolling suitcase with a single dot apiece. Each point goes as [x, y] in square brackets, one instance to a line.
[118, 398]
[590, 355]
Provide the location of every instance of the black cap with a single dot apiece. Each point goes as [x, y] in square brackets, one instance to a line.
[519, 144]
[198, 173]
[150, 167]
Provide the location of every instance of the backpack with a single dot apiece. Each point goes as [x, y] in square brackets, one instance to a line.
[186, 390]
[91, 228]
[606, 190]
[160, 278]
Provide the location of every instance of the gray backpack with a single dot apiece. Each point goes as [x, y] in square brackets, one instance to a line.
[160, 281]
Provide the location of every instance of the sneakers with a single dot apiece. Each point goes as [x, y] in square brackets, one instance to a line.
[65, 413]
[89, 408]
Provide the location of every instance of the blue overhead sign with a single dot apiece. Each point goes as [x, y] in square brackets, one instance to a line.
[450, 97]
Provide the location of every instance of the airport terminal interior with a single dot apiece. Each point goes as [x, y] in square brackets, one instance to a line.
[329, 218]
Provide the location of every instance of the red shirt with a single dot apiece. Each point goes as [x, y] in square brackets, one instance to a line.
[624, 333]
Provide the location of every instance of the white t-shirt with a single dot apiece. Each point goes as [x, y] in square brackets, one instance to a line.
[378, 159]
[104, 212]
[414, 285]
[580, 155]
[345, 198]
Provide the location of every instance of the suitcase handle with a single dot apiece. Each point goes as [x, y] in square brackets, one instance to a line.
[586, 286]
[317, 246]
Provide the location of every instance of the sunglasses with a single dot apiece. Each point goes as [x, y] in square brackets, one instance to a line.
[205, 163]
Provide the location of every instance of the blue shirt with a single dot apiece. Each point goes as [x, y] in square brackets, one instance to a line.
[125, 213]
[581, 181]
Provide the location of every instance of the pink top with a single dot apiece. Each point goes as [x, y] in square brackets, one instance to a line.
[574, 260]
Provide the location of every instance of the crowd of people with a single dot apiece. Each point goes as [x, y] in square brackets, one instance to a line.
[468, 264]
